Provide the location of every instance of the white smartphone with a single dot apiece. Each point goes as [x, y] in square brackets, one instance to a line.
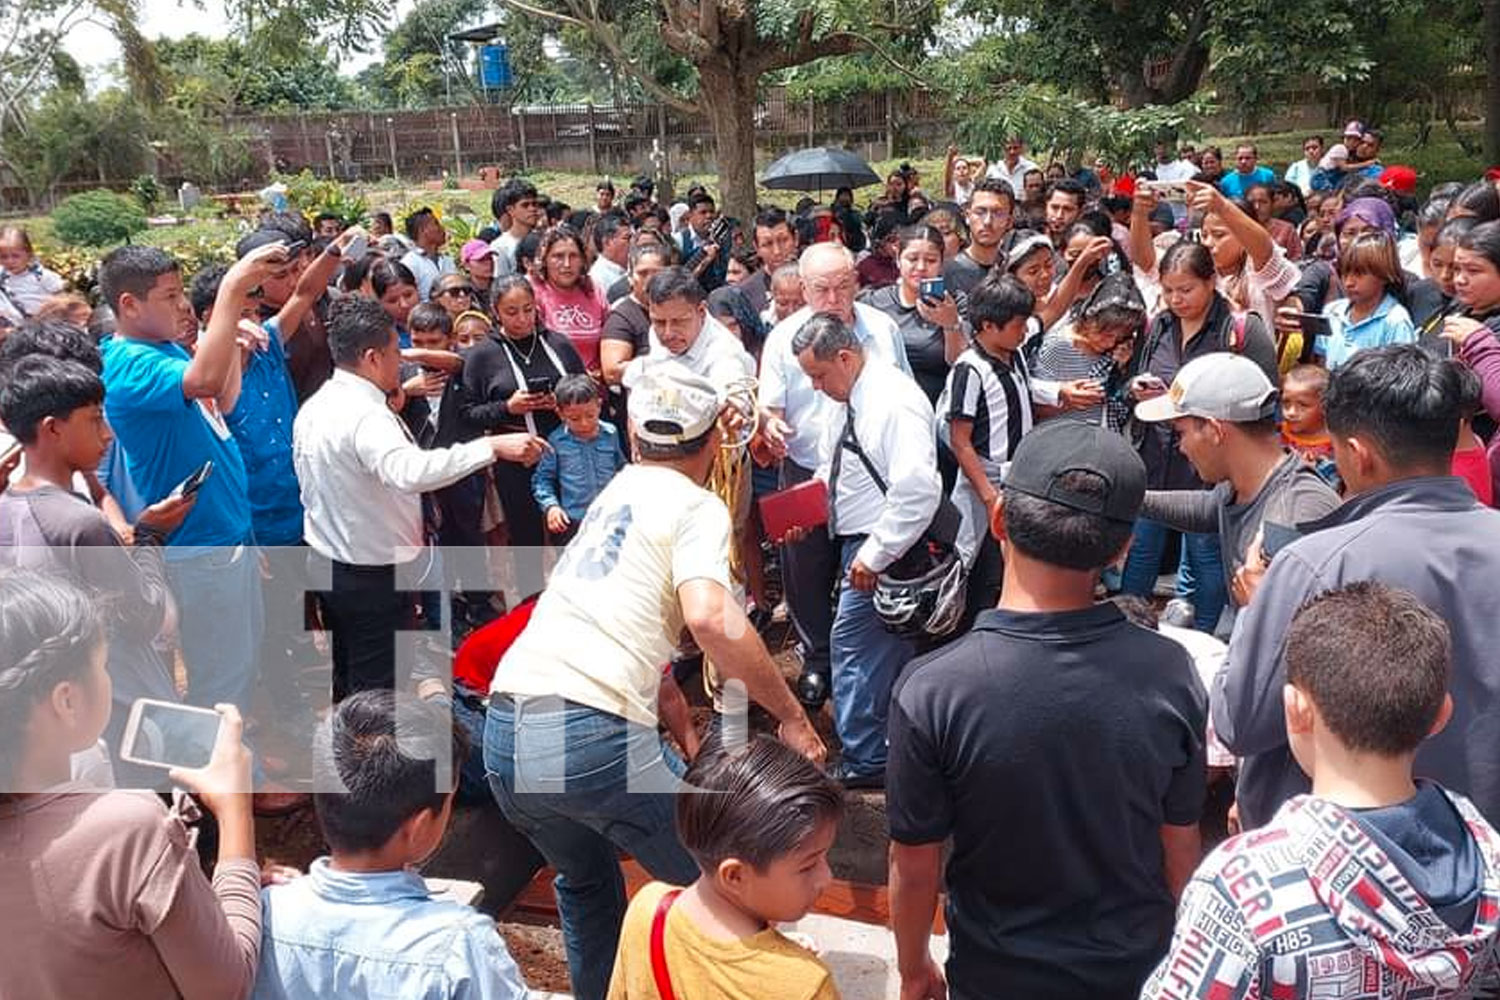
[165, 734]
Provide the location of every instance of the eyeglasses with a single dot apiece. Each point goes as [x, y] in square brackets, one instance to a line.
[990, 213]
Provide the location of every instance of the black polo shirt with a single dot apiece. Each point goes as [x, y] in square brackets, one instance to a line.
[1051, 747]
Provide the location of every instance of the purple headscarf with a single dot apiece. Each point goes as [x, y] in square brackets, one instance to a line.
[1374, 212]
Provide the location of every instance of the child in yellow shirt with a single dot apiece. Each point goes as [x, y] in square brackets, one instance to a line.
[759, 820]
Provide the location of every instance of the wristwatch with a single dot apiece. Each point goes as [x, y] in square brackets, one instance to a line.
[334, 250]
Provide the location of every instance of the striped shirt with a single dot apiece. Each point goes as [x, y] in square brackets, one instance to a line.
[1060, 359]
[995, 396]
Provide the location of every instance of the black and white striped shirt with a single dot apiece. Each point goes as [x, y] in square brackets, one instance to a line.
[996, 397]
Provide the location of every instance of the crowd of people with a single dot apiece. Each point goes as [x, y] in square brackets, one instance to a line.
[1086, 494]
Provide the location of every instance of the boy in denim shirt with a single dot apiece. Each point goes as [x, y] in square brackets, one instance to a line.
[362, 923]
[584, 456]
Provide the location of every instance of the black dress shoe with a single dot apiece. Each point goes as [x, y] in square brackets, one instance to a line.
[840, 772]
[812, 689]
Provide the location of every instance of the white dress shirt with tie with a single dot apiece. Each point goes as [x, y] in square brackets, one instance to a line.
[363, 476]
[785, 386]
[893, 424]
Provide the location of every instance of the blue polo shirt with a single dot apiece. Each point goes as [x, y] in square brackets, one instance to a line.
[167, 437]
[261, 422]
[1234, 184]
[1390, 323]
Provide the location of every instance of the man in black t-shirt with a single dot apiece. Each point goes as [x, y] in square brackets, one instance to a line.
[990, 215]
[1060, 748]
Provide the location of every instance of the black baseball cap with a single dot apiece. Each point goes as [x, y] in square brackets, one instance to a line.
[1047, 454]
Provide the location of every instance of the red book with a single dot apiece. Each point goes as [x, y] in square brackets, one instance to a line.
[802, 506]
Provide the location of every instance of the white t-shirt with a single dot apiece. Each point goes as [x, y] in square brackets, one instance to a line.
[610, 617]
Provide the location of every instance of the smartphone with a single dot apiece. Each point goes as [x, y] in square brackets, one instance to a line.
[1169, 190]
[1275, 537]
[1315, 325]
[933, 289]
[165, 734]
[357, 248]
[294, 247]
[541, 384]
[192, 483]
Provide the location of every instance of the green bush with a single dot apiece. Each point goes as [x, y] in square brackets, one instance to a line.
[312, 196]
[147, 191]
[95, 218]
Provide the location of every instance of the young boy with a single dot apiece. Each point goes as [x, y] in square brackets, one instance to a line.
[426, 259]
[984, 410]
[363, 924]
[759, 820]
[583, 456]
[55, 408]
[1303, 429]
[1375, 886]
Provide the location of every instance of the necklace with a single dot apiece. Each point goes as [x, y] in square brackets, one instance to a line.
[526, 355]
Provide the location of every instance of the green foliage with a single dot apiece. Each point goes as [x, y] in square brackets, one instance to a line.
[146, 191]
[312, 196]
[97, 217]
[1071, 125]
[70, 131]
[219, 76]
[841, 78]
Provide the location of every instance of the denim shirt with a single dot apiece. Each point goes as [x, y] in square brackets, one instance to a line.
[261, 423]
[1390, 323]
[574, 471]
[350, 934]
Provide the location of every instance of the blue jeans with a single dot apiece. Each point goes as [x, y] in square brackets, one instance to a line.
[220, 620]
[866, 660]
[566, 775]
[1200, 572]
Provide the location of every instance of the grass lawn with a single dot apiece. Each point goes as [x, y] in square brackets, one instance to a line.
[207, 236]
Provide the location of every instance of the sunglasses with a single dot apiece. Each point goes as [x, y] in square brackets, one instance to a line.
[469, 292]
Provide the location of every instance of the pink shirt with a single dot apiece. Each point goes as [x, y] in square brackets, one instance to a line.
[577, 313]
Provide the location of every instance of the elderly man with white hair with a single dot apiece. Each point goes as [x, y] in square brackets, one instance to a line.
[795, 429]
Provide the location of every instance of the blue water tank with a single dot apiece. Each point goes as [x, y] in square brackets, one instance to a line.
[494, 67]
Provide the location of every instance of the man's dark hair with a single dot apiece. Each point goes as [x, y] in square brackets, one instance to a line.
[133, 269]
[384, 217]
[1069, 186]
[671, 283]
[514, 190]
[1061, 536]
[770, 218]
[574, 389]
[1402, 400]
[204, 289]
[415, 221]
[38, 387]
[753, 803]
[662, 251]
[997, 185]
[290, 224]
[635, 200]
[999, 300]
[323, 217]
[1374, 660]
[428, 316]
[386, 751]
[54, 338]
[356, 325]
[825, 335]
[606, 228]
[701, 198]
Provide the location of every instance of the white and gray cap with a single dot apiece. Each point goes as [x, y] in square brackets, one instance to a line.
[669, 404]
[1218, 386]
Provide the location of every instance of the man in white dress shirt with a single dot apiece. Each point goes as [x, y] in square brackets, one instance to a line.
[1014, 166]
[883, 490]
[796, 419]
[362, 478]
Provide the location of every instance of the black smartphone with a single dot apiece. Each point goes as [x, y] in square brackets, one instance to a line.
[295, 247]
[1275, 537]
[542, 384]
[932, 289]
[1315, 325]
[193, 483]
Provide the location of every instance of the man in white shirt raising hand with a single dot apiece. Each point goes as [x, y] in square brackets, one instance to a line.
[362, 478]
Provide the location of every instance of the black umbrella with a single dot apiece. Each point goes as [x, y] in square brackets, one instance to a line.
[821, 169]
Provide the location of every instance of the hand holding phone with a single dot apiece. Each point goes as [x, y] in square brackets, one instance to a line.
[166, 734]
[193, 483]
[541, 384]
[932, 290]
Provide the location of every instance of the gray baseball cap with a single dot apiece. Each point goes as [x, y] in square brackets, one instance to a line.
[1218, 386]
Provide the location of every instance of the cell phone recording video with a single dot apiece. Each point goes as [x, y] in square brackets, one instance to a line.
[164, 734]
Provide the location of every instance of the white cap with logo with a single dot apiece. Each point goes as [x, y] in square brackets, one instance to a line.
[670, 405]
[1218, 386]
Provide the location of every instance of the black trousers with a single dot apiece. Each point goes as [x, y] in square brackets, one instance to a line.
[364, 611]
[809, 571]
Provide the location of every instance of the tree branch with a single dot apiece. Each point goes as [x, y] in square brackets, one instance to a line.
[604, 33]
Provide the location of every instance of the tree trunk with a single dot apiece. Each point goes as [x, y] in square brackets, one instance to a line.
[1492, 81]
[727, 92]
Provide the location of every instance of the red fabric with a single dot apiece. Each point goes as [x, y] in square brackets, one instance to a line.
[475, 662]
[1473, 467]
[1402, 180]
[659, 947]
